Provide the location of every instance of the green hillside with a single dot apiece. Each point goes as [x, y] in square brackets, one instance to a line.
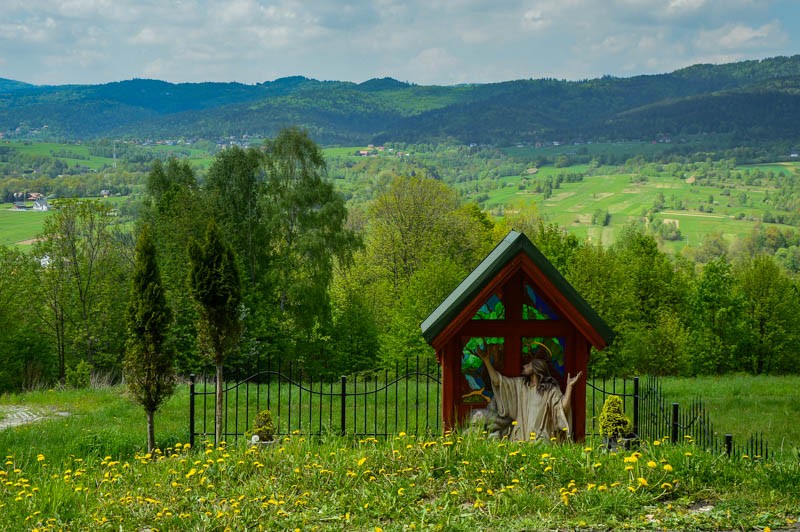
[745, 102]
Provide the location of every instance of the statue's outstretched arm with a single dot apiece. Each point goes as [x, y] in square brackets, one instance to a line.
[567, 398]
[493, 375]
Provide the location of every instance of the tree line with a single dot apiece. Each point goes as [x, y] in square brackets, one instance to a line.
[341, 291]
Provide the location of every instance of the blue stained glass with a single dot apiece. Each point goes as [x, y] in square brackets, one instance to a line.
[536, 308]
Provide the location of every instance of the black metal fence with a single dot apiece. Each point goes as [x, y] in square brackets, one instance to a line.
[654, 417]
[408, 399]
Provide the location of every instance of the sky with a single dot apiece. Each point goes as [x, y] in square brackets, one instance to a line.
[428, 42]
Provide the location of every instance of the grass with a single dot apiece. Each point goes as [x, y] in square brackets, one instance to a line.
[89, 469]
[454, 482]
[19, 226]
[628, 198]
[745, 404]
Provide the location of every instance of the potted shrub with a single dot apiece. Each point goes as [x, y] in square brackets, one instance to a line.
[615, 426]
[263, 428]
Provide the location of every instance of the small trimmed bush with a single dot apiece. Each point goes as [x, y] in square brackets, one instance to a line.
[264, 426]
[613, 421]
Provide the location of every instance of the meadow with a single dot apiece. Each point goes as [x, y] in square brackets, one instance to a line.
[628, 197]
[85, 466]
[19, 228]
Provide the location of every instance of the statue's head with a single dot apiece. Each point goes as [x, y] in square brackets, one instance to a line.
[539, 374]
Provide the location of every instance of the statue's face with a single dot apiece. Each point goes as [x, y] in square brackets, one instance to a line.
[527, 369]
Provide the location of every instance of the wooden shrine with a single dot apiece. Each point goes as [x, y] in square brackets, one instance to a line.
[516, 306]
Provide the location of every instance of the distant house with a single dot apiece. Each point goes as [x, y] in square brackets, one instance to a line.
[41, 205]
[105, 193]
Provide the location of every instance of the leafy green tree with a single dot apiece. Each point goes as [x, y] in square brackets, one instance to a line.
[26, 359]
[305, 222]
[149, 361]
[418, 220]
[78, 242]
[428, 287]
[216, 288]
[770, 308]
[235, 183]
[716, 322]
[177, 211]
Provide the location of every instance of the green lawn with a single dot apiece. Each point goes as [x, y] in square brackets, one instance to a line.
[18, 228]
[627, 197]
[88, 470]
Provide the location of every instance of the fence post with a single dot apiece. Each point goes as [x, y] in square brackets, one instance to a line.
[636, 406]
[191, 410]
[343, 405]
[728, 444]
[675, 423]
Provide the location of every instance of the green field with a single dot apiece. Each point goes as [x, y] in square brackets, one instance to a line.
[18, 228]
[84, 466]
[619, 149]
[71, 154]
[628, 197]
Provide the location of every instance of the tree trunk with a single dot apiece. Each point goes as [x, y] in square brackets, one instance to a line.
[151, 432]
[218, 406]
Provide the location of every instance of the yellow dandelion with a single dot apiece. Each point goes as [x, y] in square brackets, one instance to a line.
[361, 461]
[642, 481]
[666, 486]
[401, 491]
[657, 443]
[40, 458]
[667, 468]
[652, 465]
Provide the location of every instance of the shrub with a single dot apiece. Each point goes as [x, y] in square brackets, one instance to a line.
[79, 376]
[613, 421]
[264, 426]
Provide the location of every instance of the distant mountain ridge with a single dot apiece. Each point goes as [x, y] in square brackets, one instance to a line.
[749, 100]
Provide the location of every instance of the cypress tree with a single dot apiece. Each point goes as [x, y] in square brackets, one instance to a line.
[149, 362]
[216, 288]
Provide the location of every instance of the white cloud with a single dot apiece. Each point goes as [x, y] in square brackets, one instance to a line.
[741, 37]
[432, 41]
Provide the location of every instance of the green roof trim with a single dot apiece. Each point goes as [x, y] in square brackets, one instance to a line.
[514, 243]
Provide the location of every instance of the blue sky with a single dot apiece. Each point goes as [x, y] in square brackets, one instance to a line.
[440, 42]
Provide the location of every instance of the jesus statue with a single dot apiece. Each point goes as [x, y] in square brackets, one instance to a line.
[533, 400]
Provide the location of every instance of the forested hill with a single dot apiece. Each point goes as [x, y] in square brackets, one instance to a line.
[752, 101]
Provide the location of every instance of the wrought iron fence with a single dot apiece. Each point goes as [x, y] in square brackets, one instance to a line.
[654, 417]
[377, 404]
[408, 399]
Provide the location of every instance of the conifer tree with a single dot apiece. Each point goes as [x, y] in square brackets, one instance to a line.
[149, 362]
[216, 288]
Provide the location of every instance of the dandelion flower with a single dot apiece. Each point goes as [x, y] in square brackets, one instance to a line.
[667, 468]
[652, 465]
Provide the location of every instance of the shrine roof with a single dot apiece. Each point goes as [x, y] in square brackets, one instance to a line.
[510, 247]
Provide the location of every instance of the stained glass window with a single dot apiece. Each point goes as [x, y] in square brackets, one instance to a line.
[550, 349]
[493, 309]
[476, 387]
[536, 308]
